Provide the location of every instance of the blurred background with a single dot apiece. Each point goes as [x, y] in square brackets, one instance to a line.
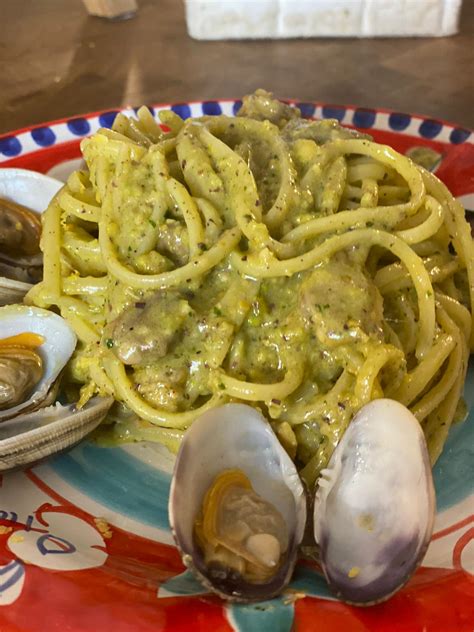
[57, 60]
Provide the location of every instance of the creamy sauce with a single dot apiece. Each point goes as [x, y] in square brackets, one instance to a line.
[246, 259]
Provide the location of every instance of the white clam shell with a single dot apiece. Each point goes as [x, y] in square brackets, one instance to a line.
[35, 191]
[235, 436]
[32, 437]
[375, 505]
[29, 188]
[58, 346]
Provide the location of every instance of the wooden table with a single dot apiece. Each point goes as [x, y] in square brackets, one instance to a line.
[57, 61]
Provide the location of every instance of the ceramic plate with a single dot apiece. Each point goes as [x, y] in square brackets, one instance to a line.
[85, 543]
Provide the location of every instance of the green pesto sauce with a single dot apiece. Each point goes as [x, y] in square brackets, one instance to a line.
[176, 343]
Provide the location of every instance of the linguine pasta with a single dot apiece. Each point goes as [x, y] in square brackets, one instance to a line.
[291, 264]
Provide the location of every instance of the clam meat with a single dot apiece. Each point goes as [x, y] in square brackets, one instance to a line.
[20, 231]
[237, 506]
[374, 506]
[35, 345]
[240, 532]
[24, 195]
[21, 368]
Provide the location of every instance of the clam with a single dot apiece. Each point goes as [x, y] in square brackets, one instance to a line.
[237, 506]
[375, 504]
[32, 437]
[35, 346]
[238, 513]
[24, 195]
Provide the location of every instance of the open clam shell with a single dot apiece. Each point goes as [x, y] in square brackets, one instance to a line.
[32, 437]
[58, 346]
[34, 191]
[235, 436]
[375, 504]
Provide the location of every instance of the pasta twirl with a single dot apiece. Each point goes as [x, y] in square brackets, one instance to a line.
[292, 264]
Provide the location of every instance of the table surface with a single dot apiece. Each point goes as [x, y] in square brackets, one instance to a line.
[57, 61]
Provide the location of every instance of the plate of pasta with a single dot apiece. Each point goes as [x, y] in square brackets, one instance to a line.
[301, 258]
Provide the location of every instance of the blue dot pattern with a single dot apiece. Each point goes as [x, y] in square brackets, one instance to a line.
[236, 107]
[211, 108]
[79, 126]
[364, 118]
[459, 135]
[334, 112]
[10, 146]
[307, 109]
[430, 128]
[399, 121]
[182, 109]
[43, 136]
[107, 118]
